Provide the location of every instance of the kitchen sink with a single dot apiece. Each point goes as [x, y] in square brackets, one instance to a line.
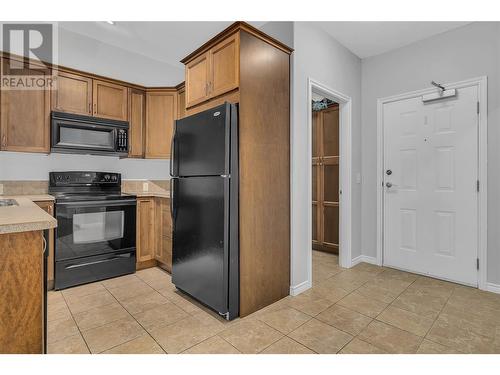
[8, 202]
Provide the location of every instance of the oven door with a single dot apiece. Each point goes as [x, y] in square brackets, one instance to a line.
[91, 228]
[75, 137]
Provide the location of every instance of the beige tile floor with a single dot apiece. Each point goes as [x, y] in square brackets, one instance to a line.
[366, 309]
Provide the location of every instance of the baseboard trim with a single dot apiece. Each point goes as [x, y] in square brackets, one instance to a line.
[302, 287]
[494, 288]
[365, 259]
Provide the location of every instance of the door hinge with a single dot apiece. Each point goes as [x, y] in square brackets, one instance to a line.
[477, 263]
[477, 107]
[477, 185]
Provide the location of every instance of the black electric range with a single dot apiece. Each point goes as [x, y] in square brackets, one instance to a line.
[96, 224]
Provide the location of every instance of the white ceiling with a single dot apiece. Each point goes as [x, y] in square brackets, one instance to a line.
[168, 42]
[366, 39]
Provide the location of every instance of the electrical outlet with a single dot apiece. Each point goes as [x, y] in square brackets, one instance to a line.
[1, 189]
[358, 178]
[145, 186]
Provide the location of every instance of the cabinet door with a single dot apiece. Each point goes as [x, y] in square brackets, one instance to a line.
[25, 117]
[163, 233]
[181, 103]
[197, 80]
[161, 111]
[109, 100]
[224, 63]
[137, 123]
[145, 236]
[73, 94]
[49, 208]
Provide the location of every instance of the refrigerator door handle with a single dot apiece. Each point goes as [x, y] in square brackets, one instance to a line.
[171, 198]
[172, 152]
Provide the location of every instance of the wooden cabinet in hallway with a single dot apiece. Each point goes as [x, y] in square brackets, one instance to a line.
[325, 179]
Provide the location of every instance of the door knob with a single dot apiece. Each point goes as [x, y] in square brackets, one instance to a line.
[388, 184]
[388, 172]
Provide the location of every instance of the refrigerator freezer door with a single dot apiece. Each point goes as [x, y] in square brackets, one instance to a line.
[201, 143]
[200, 246]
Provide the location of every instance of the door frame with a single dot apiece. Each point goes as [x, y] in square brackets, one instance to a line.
[345, 173]
[481, 83]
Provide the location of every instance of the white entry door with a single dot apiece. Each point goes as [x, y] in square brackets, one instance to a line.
[430, 186]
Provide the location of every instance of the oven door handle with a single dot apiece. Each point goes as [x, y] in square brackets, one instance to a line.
[72, 266]
[125, 202]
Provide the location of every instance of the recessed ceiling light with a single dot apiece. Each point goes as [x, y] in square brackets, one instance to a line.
[111, 22]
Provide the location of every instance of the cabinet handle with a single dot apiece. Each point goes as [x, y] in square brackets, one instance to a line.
[90, 107]
[95, 108]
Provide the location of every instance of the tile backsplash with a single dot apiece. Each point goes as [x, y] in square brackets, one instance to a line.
[42, 187]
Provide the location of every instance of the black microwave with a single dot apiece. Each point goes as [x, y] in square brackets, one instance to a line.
[77, 134]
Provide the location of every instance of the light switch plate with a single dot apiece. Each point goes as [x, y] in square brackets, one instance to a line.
[358, 178]
[1, 189]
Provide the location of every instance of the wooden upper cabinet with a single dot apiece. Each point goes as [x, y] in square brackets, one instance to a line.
[224, 66]
[181, 103]
[197, 80]
[25, 117]
[214, 72]
[110, 100]
[137, 123]
[73, 94]
[161, 112]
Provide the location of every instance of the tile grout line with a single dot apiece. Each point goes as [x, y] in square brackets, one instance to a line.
[76, 324]
[128, 312]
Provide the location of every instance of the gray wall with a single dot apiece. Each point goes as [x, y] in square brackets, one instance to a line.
[317, 55]
[466, 52]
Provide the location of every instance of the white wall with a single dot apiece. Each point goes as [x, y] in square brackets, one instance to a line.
[30, 166]
[466, 52]
[90, 55]
[317, 55]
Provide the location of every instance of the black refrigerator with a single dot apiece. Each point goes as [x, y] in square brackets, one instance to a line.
[204, 208]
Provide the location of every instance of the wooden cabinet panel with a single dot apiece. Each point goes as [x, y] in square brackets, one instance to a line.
[161, 112]
[73, 94]
[137, 123]
[25, 118]
[325, 182]
[224, 65]
[21, 293]
[181, 103]
[109, 100]
[163, 226]
[145, 236]
[197, 80]
[49, 208]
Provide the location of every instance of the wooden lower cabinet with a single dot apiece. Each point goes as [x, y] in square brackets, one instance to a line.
[48, 206]
[163, 224]
[154, 233]
[145, 236]
[21, 293]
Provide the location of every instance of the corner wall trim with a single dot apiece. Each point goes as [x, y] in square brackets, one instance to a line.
[302, 287]
[365, 259]
[494, 288]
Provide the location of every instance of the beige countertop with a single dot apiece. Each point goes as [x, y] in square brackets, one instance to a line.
[26, 216]
[160, 193]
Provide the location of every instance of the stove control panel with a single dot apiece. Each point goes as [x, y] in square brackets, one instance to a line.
[77, 178]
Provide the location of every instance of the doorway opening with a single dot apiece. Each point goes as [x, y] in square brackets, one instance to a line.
[325, 185]
[329, 220]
